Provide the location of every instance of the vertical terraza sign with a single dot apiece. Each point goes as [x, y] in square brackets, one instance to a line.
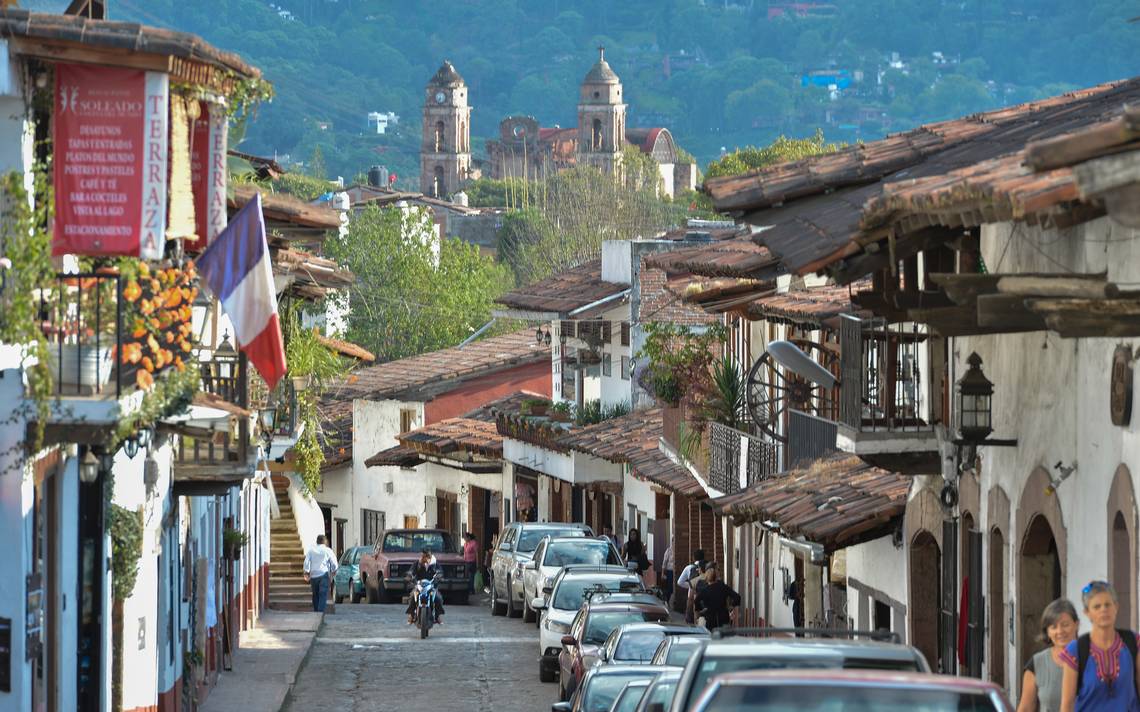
[110, 134]
[208, 171]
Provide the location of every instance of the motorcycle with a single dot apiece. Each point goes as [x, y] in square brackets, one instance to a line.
[426, 595]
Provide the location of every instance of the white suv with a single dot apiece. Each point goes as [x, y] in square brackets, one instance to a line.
[567, 594]
[552, 554]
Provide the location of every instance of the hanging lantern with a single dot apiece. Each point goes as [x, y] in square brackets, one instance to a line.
[975, 403]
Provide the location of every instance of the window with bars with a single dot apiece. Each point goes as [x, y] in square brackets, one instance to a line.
[407, 419]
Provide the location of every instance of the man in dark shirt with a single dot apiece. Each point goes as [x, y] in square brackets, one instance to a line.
[424, 570]
[715, 599]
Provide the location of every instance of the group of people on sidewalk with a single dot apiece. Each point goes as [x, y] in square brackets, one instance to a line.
[1094, 672]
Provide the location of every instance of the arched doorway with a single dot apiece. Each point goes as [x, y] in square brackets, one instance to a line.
[925, 595]
[1121, 571]
[1039, 582]
[997, 607]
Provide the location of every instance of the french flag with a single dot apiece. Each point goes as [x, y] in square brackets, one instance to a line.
[236, 269]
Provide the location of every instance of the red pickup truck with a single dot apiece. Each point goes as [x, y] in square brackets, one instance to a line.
[384, 570]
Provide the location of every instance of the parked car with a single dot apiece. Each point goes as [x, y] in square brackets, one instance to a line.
[849, 691]
[346, 582]
[675, 650]
[601, 686]
[659, 695]
[599, 615]
[630, 695]
[563, 601]
[516, 546]
[635, 643]
[385, 568]
[736, 654]
[554, 552]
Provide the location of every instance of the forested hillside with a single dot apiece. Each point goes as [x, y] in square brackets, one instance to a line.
[719, 74]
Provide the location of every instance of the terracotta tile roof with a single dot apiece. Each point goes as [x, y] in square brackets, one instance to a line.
[421, 377]
[286, 209]
[347, 348]
[736, 257]
[564, 292]
[859, 502]
[398, 456]
[312, 275]
[631, 439]
[474, 432]
[814, 206]
[810, 307]
[1034, 185]
[117, 37]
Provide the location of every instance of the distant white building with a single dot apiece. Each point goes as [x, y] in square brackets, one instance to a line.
[381, 120]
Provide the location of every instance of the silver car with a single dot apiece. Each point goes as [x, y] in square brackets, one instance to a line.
[555, 552]
[516, 546]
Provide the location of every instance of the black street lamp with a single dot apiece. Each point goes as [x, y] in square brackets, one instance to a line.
[975, 403]
[225, 358]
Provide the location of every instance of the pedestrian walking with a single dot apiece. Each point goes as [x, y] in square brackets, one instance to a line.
[471, 559]
[634, 550]
[667, 571]
[691, 572]
[1101, 666]
[320, 565]
[715, 600]
[1041, 681]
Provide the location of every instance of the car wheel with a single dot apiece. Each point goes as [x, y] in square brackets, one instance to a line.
[497, 608]
[353, 595]
[370, 592]
[529, 614]
[337, 598]
[545, 674]
[512, 612]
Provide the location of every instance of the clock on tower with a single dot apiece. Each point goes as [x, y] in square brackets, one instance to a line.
[440, 97]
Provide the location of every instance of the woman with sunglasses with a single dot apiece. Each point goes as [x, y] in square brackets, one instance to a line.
[1041, 681]
[1101, 667]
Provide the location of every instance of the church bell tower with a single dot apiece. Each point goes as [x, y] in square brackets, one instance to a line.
[445, 155]
[601, 117]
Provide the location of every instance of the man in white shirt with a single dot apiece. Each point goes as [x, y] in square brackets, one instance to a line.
[692, 571]
[320, 565]
[666, 582]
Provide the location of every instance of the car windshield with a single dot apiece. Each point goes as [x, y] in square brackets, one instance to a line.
[604, 689]
[568, 597]
[629, 697]
[601, 623]
[415, 542]
[639, 645]
[846, 698]
[586, 551]
[529, 539]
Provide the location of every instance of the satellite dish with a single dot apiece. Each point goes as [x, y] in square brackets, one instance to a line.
[792, 358]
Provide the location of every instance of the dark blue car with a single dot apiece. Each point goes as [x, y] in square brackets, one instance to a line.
[346, 583]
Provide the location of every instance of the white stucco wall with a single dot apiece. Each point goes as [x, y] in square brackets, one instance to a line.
[614, 388]
[1052, 394]
[640, 494]
[881, 572]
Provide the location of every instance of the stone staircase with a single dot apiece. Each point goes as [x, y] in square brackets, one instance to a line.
[287, 587]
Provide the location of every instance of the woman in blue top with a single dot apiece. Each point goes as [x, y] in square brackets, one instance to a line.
[1108, 682]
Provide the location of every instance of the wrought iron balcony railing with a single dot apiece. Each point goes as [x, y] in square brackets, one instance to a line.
[738, 460]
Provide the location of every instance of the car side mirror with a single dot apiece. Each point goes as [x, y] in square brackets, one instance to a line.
[569, 641]
[538, 604]
[560, 707]
[602, 655]
[532, 566]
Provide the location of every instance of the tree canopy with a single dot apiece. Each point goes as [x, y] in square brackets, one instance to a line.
[413, 292]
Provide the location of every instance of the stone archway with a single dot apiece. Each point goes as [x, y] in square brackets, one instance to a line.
[925, 595]
[1121, 535]
[998, 583]
[1042, 546]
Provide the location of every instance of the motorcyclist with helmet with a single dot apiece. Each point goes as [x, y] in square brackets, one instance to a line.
[424, 570]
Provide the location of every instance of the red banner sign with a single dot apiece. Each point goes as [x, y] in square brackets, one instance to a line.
[110, 135]
[208, 171]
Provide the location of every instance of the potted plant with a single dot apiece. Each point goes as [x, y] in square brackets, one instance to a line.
[233, 541]
[535, 406]
[561, 412]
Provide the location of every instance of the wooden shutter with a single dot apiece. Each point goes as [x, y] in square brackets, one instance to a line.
[948, 621]
[975, 631]
[431, 512]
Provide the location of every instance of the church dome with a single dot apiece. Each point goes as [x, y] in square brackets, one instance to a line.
[601, 73]
[446, 76]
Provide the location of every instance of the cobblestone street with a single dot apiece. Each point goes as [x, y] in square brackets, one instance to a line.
[365, 658]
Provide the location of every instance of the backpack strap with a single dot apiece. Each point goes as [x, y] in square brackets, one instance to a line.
[1084, 644]
[1129, 639]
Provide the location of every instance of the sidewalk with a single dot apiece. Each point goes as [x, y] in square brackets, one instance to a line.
[265, 664]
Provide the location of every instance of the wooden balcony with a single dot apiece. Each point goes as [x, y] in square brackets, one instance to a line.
[891, 394]
[215, 452]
